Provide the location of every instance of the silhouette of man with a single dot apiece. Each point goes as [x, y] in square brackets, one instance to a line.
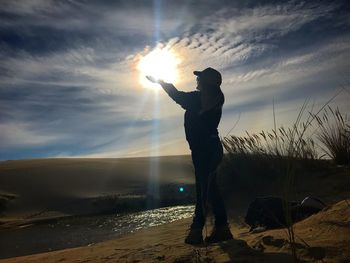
[203, 109]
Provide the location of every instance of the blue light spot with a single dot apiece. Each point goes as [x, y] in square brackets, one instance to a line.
[181, 189]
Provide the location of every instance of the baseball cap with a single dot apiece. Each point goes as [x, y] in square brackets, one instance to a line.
[210, 76]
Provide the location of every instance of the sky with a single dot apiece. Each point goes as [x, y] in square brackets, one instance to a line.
[69, 81]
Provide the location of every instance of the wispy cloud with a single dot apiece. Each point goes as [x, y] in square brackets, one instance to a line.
[69, 85]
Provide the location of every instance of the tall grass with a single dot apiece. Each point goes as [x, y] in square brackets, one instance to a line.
[275, 143]
[281, 147]
[334, 134]
[285, 148]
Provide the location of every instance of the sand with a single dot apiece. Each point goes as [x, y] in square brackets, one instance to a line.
[325, 236]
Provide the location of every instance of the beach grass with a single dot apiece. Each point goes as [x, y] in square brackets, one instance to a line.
[282, 153]
[334, 134]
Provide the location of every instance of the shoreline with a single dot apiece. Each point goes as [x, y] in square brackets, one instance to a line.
[74, 231]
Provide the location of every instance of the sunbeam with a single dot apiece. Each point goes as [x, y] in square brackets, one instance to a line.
[153, 179]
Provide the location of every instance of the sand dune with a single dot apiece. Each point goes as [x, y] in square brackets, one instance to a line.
[323, 236]
[51, 183]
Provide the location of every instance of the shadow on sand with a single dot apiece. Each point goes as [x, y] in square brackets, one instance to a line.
[236, 250]
[239, 251]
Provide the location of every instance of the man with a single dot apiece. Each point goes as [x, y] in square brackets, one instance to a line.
[203, 110]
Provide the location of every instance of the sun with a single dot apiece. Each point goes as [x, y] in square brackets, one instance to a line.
[160, 63]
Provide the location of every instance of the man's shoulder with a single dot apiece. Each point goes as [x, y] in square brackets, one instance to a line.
[190, 95]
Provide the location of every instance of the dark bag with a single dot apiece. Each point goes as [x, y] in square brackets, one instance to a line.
[270, 212]
[267, 212]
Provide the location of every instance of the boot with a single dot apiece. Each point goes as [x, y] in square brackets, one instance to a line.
[194, 236]
[219, 233]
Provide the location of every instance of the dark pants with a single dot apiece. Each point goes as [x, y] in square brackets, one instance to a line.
[206, 159]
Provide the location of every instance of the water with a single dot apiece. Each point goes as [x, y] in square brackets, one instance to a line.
[155, 217]
[82, 231]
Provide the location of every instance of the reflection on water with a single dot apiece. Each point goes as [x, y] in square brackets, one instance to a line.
[153, 217]
[82, 231]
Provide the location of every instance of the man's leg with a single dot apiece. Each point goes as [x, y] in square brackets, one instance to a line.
[217, 203]
[198, 219]
[195, 234]
[221, 230]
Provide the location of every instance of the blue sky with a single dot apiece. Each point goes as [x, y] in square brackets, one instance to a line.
[69, 86]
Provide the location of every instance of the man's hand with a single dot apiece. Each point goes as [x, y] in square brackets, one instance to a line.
[168, 87]
[154, 80]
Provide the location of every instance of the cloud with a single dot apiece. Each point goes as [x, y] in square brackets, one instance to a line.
[242, 42]
[69, 82]
[231, 36]
[22, 135]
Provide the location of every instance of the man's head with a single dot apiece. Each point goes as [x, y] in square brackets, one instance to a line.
[208, 77]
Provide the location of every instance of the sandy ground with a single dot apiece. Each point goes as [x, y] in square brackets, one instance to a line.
[324, 236]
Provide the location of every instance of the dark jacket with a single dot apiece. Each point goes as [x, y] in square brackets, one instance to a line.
[200, 128]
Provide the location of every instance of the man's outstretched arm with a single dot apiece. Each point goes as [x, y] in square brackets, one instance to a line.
[169, 89]
[185, 99]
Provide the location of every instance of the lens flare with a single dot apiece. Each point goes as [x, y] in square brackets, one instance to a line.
[160, 63]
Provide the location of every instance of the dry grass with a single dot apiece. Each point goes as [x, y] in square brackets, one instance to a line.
[334, 133]
[274, 143]
[283, 149]
[331, 138]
